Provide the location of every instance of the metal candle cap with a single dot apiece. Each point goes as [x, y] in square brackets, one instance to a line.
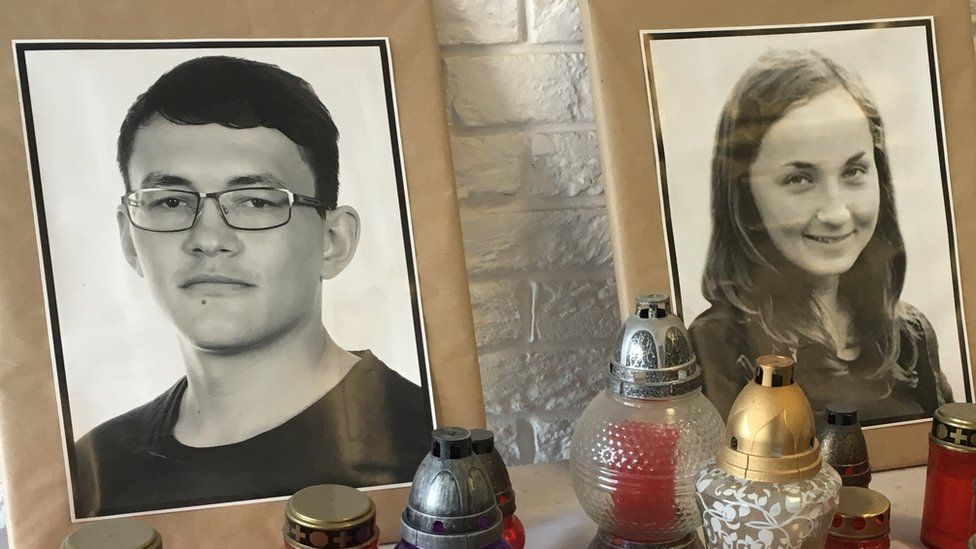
[114, 534]
[770, 436]
[483, 444]
[954, 426]
[842, 445]
[452, 503]
[653, 357]
[331, 515]
[861, 514]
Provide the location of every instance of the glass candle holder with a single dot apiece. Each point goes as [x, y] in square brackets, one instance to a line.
[330, 515]
[114, 534]
[452, 502]
[861, 520]
[949, 477]
[483, 446]
[603, 540]
[767, 487]
[639, 444]
[842, 445]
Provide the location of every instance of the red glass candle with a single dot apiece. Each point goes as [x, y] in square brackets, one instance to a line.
[949, 478]
[646, 480]
[329, 515]
[861, 520]
[513, 532]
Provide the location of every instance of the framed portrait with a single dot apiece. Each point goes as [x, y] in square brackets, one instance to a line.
[246, 267]
[796, 171]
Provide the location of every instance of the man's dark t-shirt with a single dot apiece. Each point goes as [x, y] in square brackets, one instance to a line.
[373, 428]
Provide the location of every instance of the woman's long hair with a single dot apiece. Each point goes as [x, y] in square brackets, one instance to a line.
[744, 269]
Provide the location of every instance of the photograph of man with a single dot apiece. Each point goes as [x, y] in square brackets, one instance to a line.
[230, 216]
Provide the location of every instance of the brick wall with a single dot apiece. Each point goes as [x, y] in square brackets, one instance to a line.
[533, 214]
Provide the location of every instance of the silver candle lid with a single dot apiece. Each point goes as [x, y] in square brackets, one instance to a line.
[483, 445]
[452, 503]
[653, 357]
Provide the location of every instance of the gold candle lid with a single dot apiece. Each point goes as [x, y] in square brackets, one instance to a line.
[861, 514]
[114, 534]
[954, 426]
[330, 515]
[770, 434]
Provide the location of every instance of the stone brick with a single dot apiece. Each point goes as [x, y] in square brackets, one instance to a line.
[477, 21]
[566, 310]
[506, 437]
[541, 380]
[552, 437]
[488, 164]
[556, 21]
[556, 239]
[564, 164]
[495, 306]
[517, 89]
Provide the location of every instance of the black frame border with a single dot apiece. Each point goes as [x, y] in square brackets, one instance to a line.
[21, 48]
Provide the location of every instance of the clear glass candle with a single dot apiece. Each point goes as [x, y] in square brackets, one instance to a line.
[767, 488]
[639, 444]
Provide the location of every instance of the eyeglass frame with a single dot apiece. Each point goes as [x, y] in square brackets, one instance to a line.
[294, 199]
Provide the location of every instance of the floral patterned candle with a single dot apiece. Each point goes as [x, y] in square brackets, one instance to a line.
[767, 488]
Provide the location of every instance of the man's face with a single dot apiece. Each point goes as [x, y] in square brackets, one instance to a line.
[227, 289]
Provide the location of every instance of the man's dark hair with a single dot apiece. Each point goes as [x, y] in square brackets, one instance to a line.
[239, 93]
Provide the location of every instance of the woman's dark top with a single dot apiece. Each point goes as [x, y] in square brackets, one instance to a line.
[728, 341]
[373, 428]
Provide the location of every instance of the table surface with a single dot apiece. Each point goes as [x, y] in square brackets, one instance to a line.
[553, 518]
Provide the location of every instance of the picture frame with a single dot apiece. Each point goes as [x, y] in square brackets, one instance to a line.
[40, 406]
[659, 168]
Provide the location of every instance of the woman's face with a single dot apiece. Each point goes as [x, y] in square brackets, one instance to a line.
[815, 184]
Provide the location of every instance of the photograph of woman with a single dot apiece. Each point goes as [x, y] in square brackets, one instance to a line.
[805, 255]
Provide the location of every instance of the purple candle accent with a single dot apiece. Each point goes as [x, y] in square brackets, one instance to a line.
[500, 544]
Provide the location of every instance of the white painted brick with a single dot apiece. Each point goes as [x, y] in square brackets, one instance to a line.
[564, 164]
[542, 380]
[552, 437]
[576, 309]
[488, 164]
[496, 311]
[556, 21]
[516, 89]
[477, 21]
[506, 437]
[557, 239]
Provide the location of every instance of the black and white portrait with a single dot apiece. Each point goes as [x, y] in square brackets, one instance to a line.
[229, 269]
[808, 210]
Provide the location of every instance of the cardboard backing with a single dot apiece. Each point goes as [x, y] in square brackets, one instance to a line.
[35, 483]
[617, 75]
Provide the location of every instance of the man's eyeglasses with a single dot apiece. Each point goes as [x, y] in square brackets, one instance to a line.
[249, 209]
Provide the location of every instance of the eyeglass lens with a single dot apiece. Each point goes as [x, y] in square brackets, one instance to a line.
[174, 210]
